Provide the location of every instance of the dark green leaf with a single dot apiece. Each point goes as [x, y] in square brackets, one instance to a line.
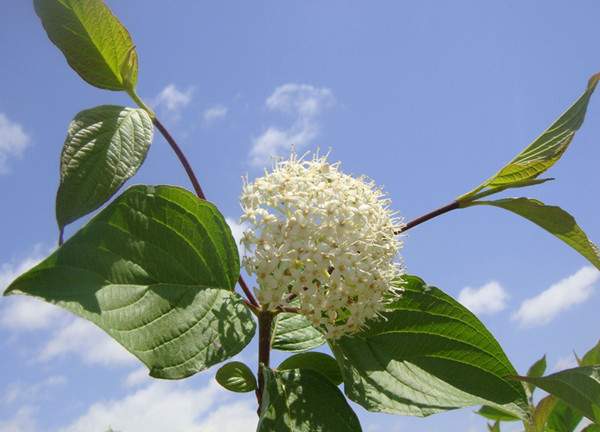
[105, 146]
[546, 150]
[293, 332]
[536, 370]
[95, 43]
[236, 377]
[300, 400]
[492, 413]
[554, 220]
[428, 354]
[592, 357]
[319, 362]
[155, 270]
[578, 387]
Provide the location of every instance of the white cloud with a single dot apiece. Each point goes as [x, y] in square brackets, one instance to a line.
[20, 312]
[92, 345]
[237, 229]
[20, 392]
[563, 363]
[544, 307]
[172, 99]
[13, 141]
[22, 421]
[488, 299]
[304, 103]
[137, 377]
[172, 406]
[213, 114]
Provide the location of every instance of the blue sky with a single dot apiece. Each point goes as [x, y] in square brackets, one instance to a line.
[427, 98]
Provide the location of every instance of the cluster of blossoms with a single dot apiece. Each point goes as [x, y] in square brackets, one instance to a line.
[322, 241]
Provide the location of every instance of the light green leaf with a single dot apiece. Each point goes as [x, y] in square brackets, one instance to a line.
[592, 357]
[236, 377]
[105, 146]
[563, 418]
[293, 332]
[95, 43]
[536, 370]
[427, 354]
[554, 220]
[300, 400]
[591, 428]
[319, 362]
[578, 387]
[542, 412]
[492, 413]
[545, 151]
[155, 270]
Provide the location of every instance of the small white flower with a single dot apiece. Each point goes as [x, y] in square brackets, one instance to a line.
[321, 238]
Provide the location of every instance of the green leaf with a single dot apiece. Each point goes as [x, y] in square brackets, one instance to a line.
[300, 400]
[536, 370]
[319, 362]
[591, 428]
[236, 377]
[546, 150]
[293, 332]
[95, 43]
[427, 354]
[554, 220]
[492, 413]
[592, 357]
[578, 387]
[542, 412]
[105, 146]
[563, 418]
[155, 270]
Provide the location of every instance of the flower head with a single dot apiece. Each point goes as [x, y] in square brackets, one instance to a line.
[320, 240]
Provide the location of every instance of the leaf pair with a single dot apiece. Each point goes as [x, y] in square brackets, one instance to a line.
[106, 145]
[523, 171]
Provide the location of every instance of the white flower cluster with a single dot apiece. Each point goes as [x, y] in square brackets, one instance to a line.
[322, 241]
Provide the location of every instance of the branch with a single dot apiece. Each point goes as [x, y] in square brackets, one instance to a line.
[445, 209]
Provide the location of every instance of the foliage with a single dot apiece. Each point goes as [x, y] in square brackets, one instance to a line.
[156, 269]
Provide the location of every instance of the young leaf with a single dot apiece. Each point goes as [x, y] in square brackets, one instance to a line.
[293, 332]
[236, 377]
[542, 412]
[548, 148]
[592, 357]
[105, 146]
[319, 362]
[426, 355]
[578, 387]
[300, 400]
[536, 370]
[554, 220]
[96, 45]
[155, 270]
[492, 413]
